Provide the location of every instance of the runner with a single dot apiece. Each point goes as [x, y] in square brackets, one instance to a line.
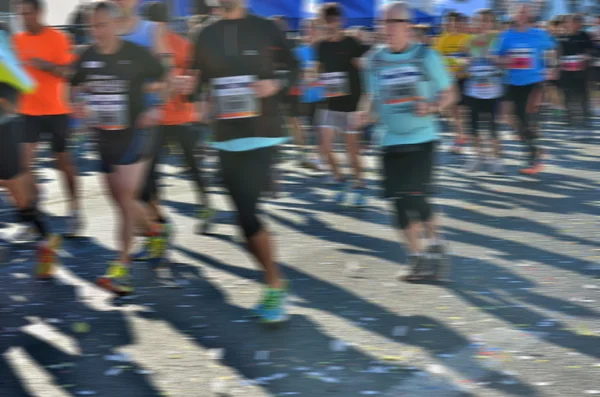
[452, 45]
[178, 119]
[339, 63]
[575, 54]
[483, 89]
[236, 56]
[310, 90]
[46, 54]
[151, 36]
[112, 74]
[14, 81]
[520, 51]
[408, 86]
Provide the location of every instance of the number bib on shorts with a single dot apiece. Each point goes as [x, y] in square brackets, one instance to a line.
[336, 84]
[521, 59]
[399, 86]
[572, 63]
[235, 97]
[111, 111]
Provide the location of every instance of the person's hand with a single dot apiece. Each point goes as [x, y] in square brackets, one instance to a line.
[184, 85]
[423, 109]
[149, 118]
[359, 120]
[40, 64]
[552, 74]
[266, 88]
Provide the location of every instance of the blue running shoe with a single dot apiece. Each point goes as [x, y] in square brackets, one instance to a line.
[273, 310]
[258, 309]
[340, 197]
[360, 200]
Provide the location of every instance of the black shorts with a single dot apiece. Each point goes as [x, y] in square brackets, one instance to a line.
[461, 92]
[55, 125]
[408, 169]
[124, 147]
[10, 148]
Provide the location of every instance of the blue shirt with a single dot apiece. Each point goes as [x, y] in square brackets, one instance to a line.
[307, 56]
[526, 54]
[396, 83]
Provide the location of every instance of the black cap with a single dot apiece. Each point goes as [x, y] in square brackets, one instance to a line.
[155, 11]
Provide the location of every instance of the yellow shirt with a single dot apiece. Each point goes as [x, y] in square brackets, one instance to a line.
[453, 46]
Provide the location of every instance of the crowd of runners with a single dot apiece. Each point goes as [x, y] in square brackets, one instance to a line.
[135, 85]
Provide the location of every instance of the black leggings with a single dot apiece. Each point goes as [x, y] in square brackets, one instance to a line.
[520, 96]
[577, 99]
[187, 137]
[479, 107]
[246, 175]
[412, 206]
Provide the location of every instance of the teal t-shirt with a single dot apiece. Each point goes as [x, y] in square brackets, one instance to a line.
[397, 81]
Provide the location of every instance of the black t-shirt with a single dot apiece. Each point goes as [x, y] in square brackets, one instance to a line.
[113, 84]
[339, 74]
[232, 54]
[572, 50]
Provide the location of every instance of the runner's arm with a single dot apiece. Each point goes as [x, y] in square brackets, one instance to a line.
[286, 56]
[60, 66]
[447, 94]
[165, 55]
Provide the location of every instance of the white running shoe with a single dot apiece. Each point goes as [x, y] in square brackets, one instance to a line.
[474, 165]
[497, 167]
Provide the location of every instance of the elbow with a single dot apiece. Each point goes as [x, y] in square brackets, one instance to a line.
[452, 96]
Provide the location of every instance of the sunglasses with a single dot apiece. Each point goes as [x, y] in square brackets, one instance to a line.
[394, 20]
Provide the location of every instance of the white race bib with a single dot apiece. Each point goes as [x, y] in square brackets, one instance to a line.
[235, 97]
[336, 84]
[111, 111]
[572, 63]
[399, 85]
[484, 82]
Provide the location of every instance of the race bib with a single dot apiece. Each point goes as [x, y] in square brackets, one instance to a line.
[484, 82]
[111, 111]
[399, 85]
[521, 59]
[311, 75]
[235, 97]
[336, 84]
[572, 63]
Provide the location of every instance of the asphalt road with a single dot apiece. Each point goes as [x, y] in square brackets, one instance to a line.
[519, 318]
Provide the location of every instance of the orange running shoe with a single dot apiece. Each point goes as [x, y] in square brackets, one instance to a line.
[47, 258]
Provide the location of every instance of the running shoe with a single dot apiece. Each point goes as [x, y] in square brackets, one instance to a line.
[47, 258]
[341, 195]
[535, 168]
[117, 279]
[438, 254]
[475, 164]
[144, 253]
[360, 199]
[26, 234]
[273, 309]
[206, 215]
[258, 309]
[497, 167]
[419, 269]
[159, 244]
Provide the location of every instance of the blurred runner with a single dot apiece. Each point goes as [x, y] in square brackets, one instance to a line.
[521, 51]
[112, 74]
[483, 89]
[575, 57]
[237, 58]
[407, 86]
[46, 54]
[452, 45]
[151, 36]
[14, 80]
[310, 90]
[339, 64]
[179, 116]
